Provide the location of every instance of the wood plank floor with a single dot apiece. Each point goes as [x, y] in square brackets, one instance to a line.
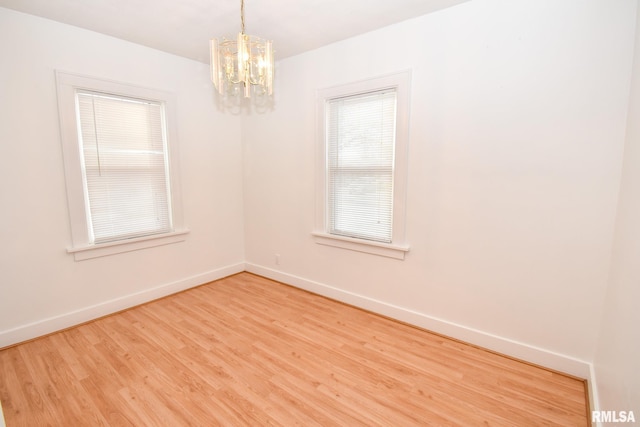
[248, 351]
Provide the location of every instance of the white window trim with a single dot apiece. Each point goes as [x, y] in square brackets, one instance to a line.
[398, 246]
[103, 249]
[67, 84]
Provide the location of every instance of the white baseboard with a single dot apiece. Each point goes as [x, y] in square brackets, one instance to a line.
[508, 347]
[594, 401]
[66, 320]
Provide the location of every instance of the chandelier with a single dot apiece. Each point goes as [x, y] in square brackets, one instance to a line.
[242, 66]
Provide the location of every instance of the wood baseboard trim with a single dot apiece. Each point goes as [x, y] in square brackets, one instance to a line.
[63, 321]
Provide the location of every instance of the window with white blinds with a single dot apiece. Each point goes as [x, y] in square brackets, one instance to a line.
[123, 143]
[362, 146]
[360, 163]
[120, 149]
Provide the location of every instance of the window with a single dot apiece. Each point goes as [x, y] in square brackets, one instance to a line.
[120, 166]
[360, 148]
[363, 131]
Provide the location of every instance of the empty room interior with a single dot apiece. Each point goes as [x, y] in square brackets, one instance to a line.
[292, 274]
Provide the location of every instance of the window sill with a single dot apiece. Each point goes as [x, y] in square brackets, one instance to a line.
[81, 253]
[375, 248]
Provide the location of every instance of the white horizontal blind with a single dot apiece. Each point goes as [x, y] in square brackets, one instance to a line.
[123, 143]
[360, 144]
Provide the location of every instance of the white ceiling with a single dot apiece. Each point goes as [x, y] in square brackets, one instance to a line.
[184, 27]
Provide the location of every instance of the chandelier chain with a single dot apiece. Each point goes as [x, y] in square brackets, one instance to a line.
[242, 15]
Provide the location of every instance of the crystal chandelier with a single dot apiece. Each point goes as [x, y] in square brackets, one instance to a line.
[244, 65]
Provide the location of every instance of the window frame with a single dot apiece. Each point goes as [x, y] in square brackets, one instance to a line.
[398, 247]
[81, 247]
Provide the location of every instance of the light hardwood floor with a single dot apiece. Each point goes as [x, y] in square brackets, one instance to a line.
[249, 351]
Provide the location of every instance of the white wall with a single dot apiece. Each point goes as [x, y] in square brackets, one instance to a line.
[616, 361]
[517, 132]
[41, 286]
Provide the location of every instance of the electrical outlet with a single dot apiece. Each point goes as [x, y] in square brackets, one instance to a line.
[277, 259]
